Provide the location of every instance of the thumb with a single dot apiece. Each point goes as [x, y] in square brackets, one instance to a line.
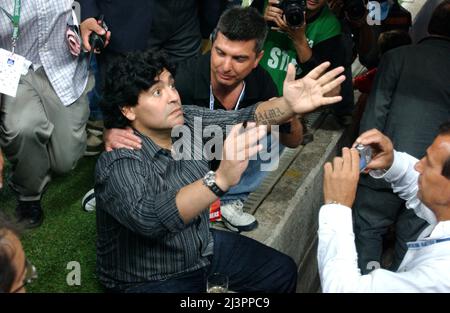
[290, 75]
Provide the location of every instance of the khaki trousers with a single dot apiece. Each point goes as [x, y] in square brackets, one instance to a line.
[39, 135]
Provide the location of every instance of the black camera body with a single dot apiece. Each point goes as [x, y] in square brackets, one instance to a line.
[294, 11]
[355, 9]
[96, 41]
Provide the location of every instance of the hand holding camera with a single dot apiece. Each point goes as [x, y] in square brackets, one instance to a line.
[341, 178]
[98, 41]
[382, 150]
[94, 33]
[286, 14]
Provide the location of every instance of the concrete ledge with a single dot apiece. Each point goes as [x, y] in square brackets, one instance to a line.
[288, 215]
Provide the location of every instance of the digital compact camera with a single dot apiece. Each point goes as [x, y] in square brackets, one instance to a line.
[365, 156]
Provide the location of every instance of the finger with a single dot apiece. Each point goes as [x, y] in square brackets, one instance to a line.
[373, 139]
[347, 160]
[121, 145]
[276, 11]
[367, 134]
[329, 100]
[337, 164]
[327, 169]
[355, 160]
[330, 75]
[251, 137]
[333, 84]
[290, 76]
[85, 38]
[318, 70]
[124, 142]
[253, 151]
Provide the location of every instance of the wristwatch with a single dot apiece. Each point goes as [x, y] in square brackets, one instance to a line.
[210, 181]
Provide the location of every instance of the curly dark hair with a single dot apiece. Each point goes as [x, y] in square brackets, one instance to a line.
[7, 270]
[126, 77]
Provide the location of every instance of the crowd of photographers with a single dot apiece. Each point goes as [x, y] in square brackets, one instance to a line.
[221, 59]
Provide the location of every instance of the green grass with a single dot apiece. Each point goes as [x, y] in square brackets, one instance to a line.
[67, 234]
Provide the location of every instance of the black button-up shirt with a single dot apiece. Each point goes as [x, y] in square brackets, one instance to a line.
[141, 236]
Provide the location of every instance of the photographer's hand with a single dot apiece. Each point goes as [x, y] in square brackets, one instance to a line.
[88, 26]
[274, 14]
[382, 149]
[341, 178]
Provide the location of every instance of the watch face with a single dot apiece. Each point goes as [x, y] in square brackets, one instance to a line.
[210, 178]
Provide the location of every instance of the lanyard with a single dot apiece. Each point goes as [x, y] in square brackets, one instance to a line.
[15, 18]
[425, 243]
[211, 98]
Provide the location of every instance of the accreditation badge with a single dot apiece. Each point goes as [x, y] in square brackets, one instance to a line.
[12, 66]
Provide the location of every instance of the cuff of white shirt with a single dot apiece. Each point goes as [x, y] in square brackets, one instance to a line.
[337, 217]
[397, 170]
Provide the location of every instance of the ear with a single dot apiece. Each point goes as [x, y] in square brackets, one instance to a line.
[258, 58]
[128, 112]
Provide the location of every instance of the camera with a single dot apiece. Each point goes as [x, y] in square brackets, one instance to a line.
[294, 11]
[365, 156]
[96, 41]
[355, 9]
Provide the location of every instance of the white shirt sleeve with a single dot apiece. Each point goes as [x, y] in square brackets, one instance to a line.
[337, 256]
[338, 266]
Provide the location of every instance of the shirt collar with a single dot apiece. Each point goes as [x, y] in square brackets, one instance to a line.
[441, 230]
[149, 146]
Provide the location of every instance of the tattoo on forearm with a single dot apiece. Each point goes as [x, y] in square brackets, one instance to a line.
[269, 117]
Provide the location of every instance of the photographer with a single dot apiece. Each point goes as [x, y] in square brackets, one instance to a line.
[315, 40]
[424, 185]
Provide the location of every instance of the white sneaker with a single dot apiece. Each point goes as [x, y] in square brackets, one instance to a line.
[235, 218]
[88, 202]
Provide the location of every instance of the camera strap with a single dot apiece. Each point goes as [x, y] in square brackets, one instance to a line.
[14, 18]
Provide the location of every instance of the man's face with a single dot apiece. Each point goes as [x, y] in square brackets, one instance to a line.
[232, 61]
[315, 5]
[158, 108]
[434, 188]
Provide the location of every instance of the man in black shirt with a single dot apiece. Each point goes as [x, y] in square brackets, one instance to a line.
[230, 78]
[152, 207]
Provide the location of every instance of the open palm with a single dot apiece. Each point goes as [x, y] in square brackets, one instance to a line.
[309, 93]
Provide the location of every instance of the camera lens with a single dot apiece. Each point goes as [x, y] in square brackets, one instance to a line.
[294, 17]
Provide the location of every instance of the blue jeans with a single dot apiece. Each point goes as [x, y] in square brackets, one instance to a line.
[254, 175]
[250, 266]
[95, 95]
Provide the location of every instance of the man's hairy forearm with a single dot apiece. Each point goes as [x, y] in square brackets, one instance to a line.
[273, 112]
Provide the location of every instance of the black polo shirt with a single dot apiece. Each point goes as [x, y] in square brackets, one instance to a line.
[193, 80]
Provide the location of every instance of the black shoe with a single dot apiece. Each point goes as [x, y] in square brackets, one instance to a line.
[29, 213]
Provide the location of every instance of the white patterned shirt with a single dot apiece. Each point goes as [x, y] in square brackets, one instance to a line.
[42, 41]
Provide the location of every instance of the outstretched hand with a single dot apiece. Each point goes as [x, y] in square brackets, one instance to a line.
[241, 145]
[309, 93]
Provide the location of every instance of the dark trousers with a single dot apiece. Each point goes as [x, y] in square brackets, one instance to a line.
[373, 212]
[249, 265]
